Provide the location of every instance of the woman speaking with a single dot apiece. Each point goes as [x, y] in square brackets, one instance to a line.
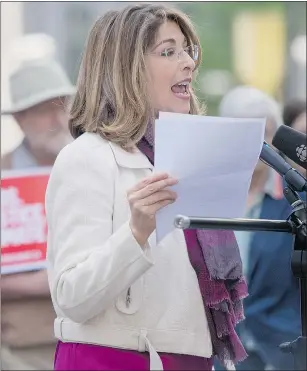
[122, 302]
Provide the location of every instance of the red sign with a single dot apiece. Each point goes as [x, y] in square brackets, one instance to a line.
[23, 220]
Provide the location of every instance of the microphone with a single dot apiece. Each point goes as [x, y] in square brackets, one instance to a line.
[270, 157]
[292, 143]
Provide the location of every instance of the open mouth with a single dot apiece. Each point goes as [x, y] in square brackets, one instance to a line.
[181, 89]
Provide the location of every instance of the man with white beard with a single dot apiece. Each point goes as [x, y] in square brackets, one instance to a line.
[39, 90]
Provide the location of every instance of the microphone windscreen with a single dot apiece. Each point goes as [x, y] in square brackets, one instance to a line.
[292, 143]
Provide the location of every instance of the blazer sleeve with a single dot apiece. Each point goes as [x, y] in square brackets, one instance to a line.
[89, 265]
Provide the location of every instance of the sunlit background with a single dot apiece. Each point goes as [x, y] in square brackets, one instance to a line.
[258, 43]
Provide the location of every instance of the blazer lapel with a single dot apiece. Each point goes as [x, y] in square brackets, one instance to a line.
[132, 160]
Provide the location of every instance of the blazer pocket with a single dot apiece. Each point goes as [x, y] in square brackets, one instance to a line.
[130, 301]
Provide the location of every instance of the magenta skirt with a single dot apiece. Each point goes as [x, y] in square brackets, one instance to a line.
[76, 356]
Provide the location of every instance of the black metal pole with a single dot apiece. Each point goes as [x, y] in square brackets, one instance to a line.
[184, 222]
[303, 287]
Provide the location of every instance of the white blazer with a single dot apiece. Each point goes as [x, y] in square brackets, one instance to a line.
[105, 288]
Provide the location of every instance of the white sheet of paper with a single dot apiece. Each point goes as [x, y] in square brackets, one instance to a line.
[213, 159]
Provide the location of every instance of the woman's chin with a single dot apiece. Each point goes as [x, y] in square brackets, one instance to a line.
[184, 109]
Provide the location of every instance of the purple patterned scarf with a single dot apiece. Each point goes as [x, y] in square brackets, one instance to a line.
[215, 257]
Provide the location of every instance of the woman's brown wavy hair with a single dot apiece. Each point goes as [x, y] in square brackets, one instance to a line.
[112, 93]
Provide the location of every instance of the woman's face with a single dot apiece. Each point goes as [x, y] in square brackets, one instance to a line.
[170, 73]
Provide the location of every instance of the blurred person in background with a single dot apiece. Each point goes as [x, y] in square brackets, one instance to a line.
[39, 89]
[272, 308]
[294, 115]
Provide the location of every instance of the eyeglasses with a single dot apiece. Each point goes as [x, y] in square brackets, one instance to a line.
[174, 54]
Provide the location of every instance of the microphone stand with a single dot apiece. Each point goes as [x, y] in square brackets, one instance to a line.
[296, 225]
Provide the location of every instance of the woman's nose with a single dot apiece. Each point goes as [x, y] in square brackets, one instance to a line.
[187, 62]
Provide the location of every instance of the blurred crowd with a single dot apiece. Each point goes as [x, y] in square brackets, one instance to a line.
[40, 91]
